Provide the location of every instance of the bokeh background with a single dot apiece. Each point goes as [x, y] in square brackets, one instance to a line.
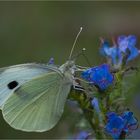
[36, 31]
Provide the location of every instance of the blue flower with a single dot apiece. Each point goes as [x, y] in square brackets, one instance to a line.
[95, 105]
[131, 123]
[129, 43]
[51, 61]
[100, 76]
[83, 135]
[116, 124]
[124, 46]
[111, 52]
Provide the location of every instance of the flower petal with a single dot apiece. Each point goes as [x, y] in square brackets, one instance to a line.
[104, 50]
[99, 76]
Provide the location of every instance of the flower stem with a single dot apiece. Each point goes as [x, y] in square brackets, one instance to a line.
[122, 136]
[85, 104]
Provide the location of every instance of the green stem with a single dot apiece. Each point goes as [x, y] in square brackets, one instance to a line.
[85, 105]
[95, 126]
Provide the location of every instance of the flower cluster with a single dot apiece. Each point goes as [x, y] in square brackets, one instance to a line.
[103, 78]
[124, 48]
[118, 124]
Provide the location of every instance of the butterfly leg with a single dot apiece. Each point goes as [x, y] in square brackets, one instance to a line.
[81, 67]
[78, 88]
[76, 85]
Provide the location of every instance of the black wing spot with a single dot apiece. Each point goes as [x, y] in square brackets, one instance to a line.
[12, 84]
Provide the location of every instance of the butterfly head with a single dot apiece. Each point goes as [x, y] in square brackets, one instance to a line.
[69, 66]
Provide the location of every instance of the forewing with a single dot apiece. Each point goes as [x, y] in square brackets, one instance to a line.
[13, 77]
[38, 104]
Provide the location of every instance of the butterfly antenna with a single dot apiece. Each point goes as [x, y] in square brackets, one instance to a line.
[82, 52]
[81, 28]
[86, 58]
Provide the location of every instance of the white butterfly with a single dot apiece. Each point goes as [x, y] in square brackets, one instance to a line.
[32, 96]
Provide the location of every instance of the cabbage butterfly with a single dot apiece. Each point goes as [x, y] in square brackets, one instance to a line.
[32, 96]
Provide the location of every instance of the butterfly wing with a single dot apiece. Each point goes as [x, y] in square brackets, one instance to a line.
[13, 77]
[38, 104]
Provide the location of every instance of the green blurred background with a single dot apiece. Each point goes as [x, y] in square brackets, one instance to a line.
[36, 31]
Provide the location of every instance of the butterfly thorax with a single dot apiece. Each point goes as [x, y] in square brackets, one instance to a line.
[69, 66]
[68, 69]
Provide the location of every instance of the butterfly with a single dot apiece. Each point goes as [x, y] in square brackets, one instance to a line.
[32, 96]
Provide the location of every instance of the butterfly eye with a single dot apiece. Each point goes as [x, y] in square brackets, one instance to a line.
[12, 84]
